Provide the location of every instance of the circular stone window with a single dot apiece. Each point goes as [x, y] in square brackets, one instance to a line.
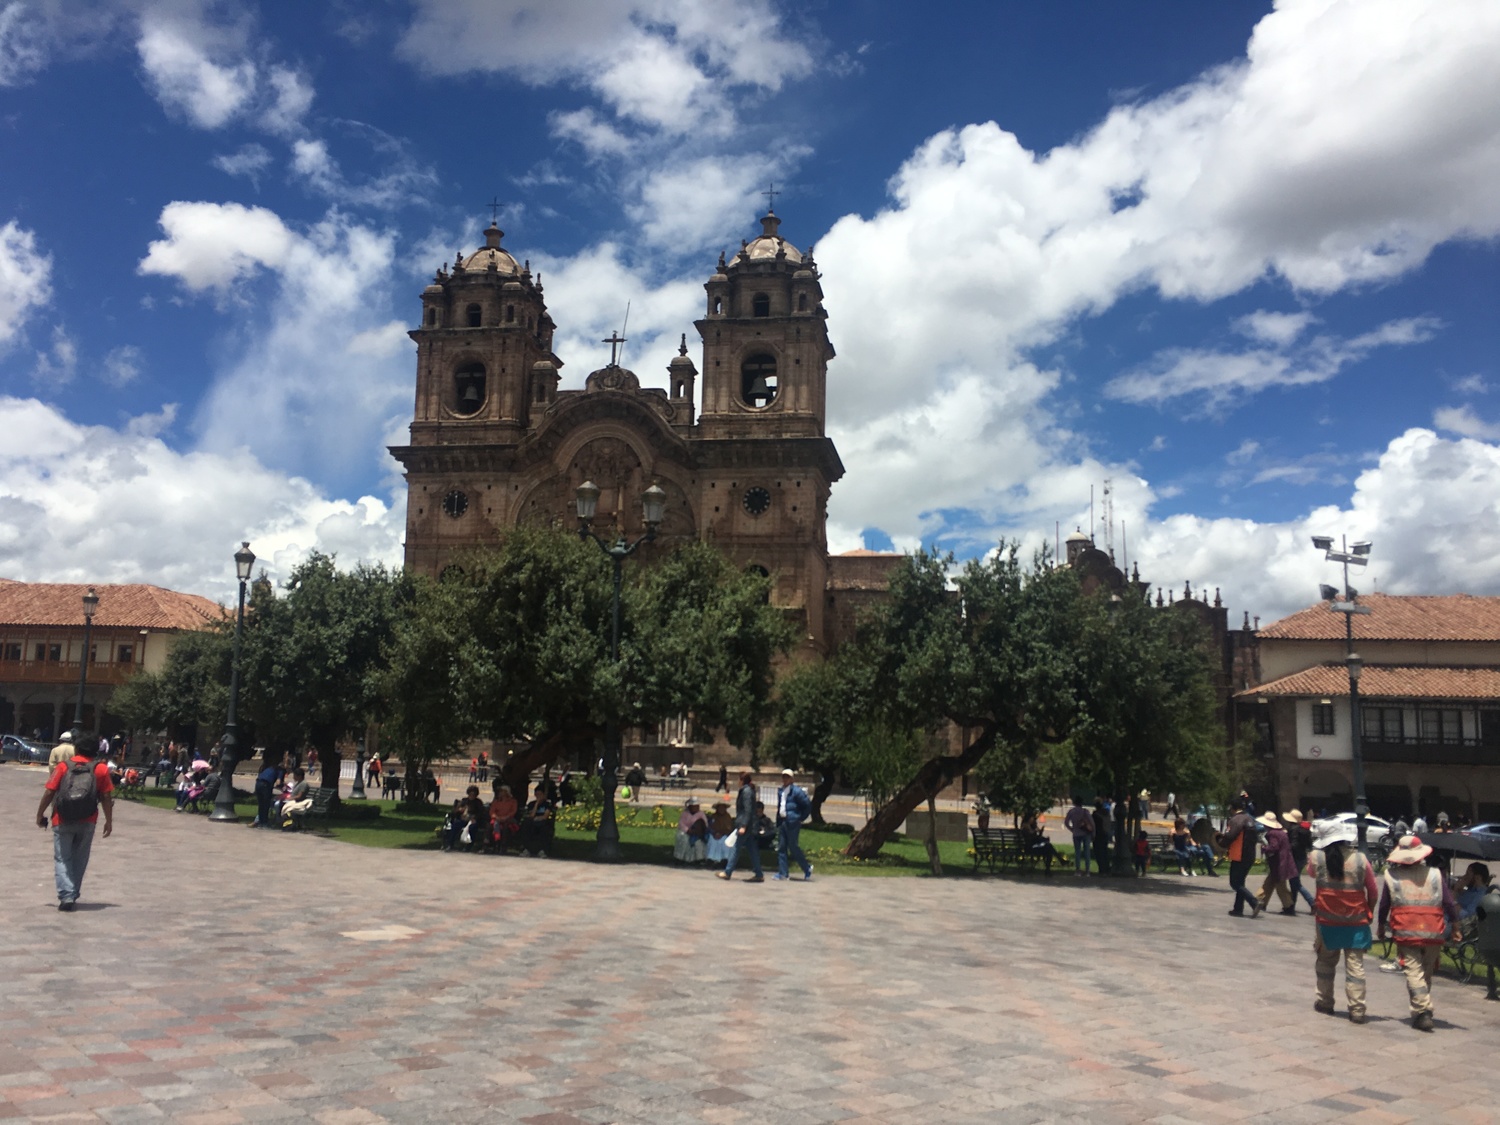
[455, 503]
[757, 501]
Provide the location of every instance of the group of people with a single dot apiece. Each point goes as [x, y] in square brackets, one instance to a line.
[730, 839]
[502, 824]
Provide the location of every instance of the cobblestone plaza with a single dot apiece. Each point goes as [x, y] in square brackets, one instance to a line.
[213, 974]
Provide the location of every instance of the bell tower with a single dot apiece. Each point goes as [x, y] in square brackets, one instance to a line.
[765, 342]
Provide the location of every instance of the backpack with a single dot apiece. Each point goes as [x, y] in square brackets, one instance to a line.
[78, 794]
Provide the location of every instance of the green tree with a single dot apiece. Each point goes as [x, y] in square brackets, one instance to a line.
[191, 689]
[1023, 785]
[312, 659]
[810, 731]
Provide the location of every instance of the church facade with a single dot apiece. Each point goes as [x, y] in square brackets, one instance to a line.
[495, 443]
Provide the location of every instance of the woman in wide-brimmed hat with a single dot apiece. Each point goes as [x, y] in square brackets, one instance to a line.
[691, 844]
[1344, 907]
[1280, 867]
[1418, 910]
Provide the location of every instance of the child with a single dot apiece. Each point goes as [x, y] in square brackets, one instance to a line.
[1141, 851]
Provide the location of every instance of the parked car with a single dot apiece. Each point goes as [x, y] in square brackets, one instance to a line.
[1489, 828]
[1341, 827]
[16, 749]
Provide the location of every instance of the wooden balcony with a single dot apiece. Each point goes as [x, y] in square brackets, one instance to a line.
[62, 672]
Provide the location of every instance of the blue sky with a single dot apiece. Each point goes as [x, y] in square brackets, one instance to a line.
[1238, 259]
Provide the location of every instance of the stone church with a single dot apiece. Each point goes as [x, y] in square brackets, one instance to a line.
[495, 443]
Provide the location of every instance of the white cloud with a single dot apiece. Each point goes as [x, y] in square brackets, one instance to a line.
[402, 181]
[386, 340]
[1430, 506]
[23, 50]
[1243, 452]
[691, 203]
[665, 64]
[122, 365]
[1218, 377]
[56, 365]
[1475, 384]
[25, 279]
[312, 391]
[90, 503]
[1277, 328]
[1462, 420]
[248, 161]
[177, 56]
[588, 130]
[215, 245]
[291, 98]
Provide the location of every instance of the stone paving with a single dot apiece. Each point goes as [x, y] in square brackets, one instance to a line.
[215, 974]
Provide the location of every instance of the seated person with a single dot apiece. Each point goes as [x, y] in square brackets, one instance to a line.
[190, 788]
[765, 831]
[476, 818]
[1188, 849]
[721, 838]
[691, 844]
[1035, 841]
[1471, 890]
[297, 801]
[431, 787]
[503, 822]
[536, 825]
[453, 826]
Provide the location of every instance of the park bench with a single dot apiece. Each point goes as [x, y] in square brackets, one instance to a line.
[1163, 854]
[320, 809]
[998, 846]
[675, 782]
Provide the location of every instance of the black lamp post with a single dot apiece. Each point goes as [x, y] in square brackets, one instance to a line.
[357, 793]
[653, 503]
[1358, 555]
[90, 604]
[244, 562]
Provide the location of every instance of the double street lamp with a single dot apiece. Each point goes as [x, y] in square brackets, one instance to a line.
[244, 562]
[90, 604]
[653, 504]
[1348, 605]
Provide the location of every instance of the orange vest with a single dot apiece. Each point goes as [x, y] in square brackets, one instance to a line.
[1416, 892]
[1342, 902]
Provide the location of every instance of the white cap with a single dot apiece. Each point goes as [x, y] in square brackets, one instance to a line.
[787, 773]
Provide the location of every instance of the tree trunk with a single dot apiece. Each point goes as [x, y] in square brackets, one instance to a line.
[933, 855]
[516, 771]
[820, 793]
[933, 776]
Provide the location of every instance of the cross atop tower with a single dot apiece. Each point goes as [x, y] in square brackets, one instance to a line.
[494, 205]
[771, 193]
[614, 340]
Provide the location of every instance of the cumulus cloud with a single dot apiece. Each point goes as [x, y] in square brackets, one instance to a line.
[95, 504]
[1463, 420]
[25, 279]
[311, 392]
[1277, 328]
[691, 202]
[178, 58]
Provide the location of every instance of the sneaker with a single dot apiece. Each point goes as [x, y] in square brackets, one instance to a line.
[722, 874]
[1238, 914]
[807, 876]
[756, 879]
[1357, 1017]
[1422, 1021]
[1290, 912]
[1391, 967]
[779, 877]
[1324, 1006]
[66, 904]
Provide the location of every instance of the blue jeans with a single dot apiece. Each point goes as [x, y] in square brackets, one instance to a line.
[1298, 889]
[1083, 852]
[748, 843]
[71, 844]
[1238, 870]
[788, 847]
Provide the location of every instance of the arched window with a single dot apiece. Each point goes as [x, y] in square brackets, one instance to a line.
[718, 306]
[801, 302]
[468, 388]
[431, 317]
[475, 315]
[758, 380]
[760, 305]
[510, 314]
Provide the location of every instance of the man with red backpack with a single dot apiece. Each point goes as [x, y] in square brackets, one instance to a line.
[75, 789]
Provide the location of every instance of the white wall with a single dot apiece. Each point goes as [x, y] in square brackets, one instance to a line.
[1335, 747]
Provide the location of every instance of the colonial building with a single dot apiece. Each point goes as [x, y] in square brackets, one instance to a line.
[1429, 705]
[42, 648]
[495, 443]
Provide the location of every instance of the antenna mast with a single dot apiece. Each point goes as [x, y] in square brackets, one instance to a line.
[1109, 518]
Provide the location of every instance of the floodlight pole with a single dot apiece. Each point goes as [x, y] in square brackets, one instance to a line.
[244, 562]
[1349, 607]
[607, 841]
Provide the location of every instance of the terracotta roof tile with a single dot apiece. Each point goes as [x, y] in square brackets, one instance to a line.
[1386, 681]
[59, 604]
[1397, 617]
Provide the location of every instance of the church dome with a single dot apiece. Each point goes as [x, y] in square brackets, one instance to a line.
[491, 254]
[770, 244]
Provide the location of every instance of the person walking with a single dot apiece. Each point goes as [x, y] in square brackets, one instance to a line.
[266, 781]
[744, 828]
[793, 807]
[1280, 868]
[1238, 841]
[1418, 911]
[1343, 907]
[62, 751]
[722, 785]
[1080, 822]
[1299, 839]
[75, 789]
